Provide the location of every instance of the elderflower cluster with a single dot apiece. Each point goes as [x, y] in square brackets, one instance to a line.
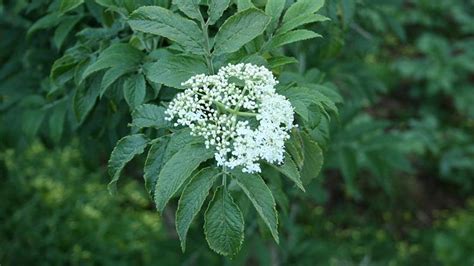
[238, 112]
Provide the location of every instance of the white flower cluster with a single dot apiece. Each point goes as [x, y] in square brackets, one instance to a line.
[237, 111]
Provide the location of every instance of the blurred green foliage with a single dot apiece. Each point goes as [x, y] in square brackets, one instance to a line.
[55, 211]
[398, 180]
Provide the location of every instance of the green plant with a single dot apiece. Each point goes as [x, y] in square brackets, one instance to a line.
[381, 91]
[128, 53]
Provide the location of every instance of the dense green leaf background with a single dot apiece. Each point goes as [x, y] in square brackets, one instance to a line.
[379, 171]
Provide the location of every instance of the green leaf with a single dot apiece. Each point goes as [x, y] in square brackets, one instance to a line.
[111, 75]
[290, 170]
[180, 139]
[85, 98]
[177, 170]
[244, 4]
[276, 186]
[346, 11]
[68, 5]
[292, 36]
[313, 159]
[294, 146]
[134, 90]
[261, 197]
[45, 22]
[303, 97]
[192, 199]
[61, 66]
[110, 3]
[31, 121]
[149, 115]
[126, 148]
[161, 151]
[254, 59]
[154, 163]
[299, 100]
[279, 61]
[79, 69]
[216, 9]
[348, 162]
[330, 91]
[64, 29]
[121, 54]
[274, 8]
[56, 121]
[302, 8]
[300, 21]
[240, 29]
[224, 224]
[173, 70]
[160, 21]
[189, 7]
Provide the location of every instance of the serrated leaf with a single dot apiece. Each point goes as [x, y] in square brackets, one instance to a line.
[224, 224]
[177, 170]
[63, 30]
[313, 158]
[302, 8]
[292, 36]
[68, 5]
[189, 7]
[240, 29]
[192, 199]
[149, 115]
[112, 75]
[126, 148]
[120, 54]
[274, 8]
[261, 197]
[293, 23]
[160, 21]
[290, 170]
[134, 90]
[154, 163]
[174, 70]
[216, 9]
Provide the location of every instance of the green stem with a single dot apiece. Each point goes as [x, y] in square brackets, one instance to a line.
[207, 46]
[247, 114]
[236, 111]
[224, 178]
[209, 64]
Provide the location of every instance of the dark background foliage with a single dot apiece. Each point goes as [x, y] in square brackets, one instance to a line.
[398, 178]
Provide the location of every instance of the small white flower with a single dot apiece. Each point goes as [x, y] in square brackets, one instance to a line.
[219, 110]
